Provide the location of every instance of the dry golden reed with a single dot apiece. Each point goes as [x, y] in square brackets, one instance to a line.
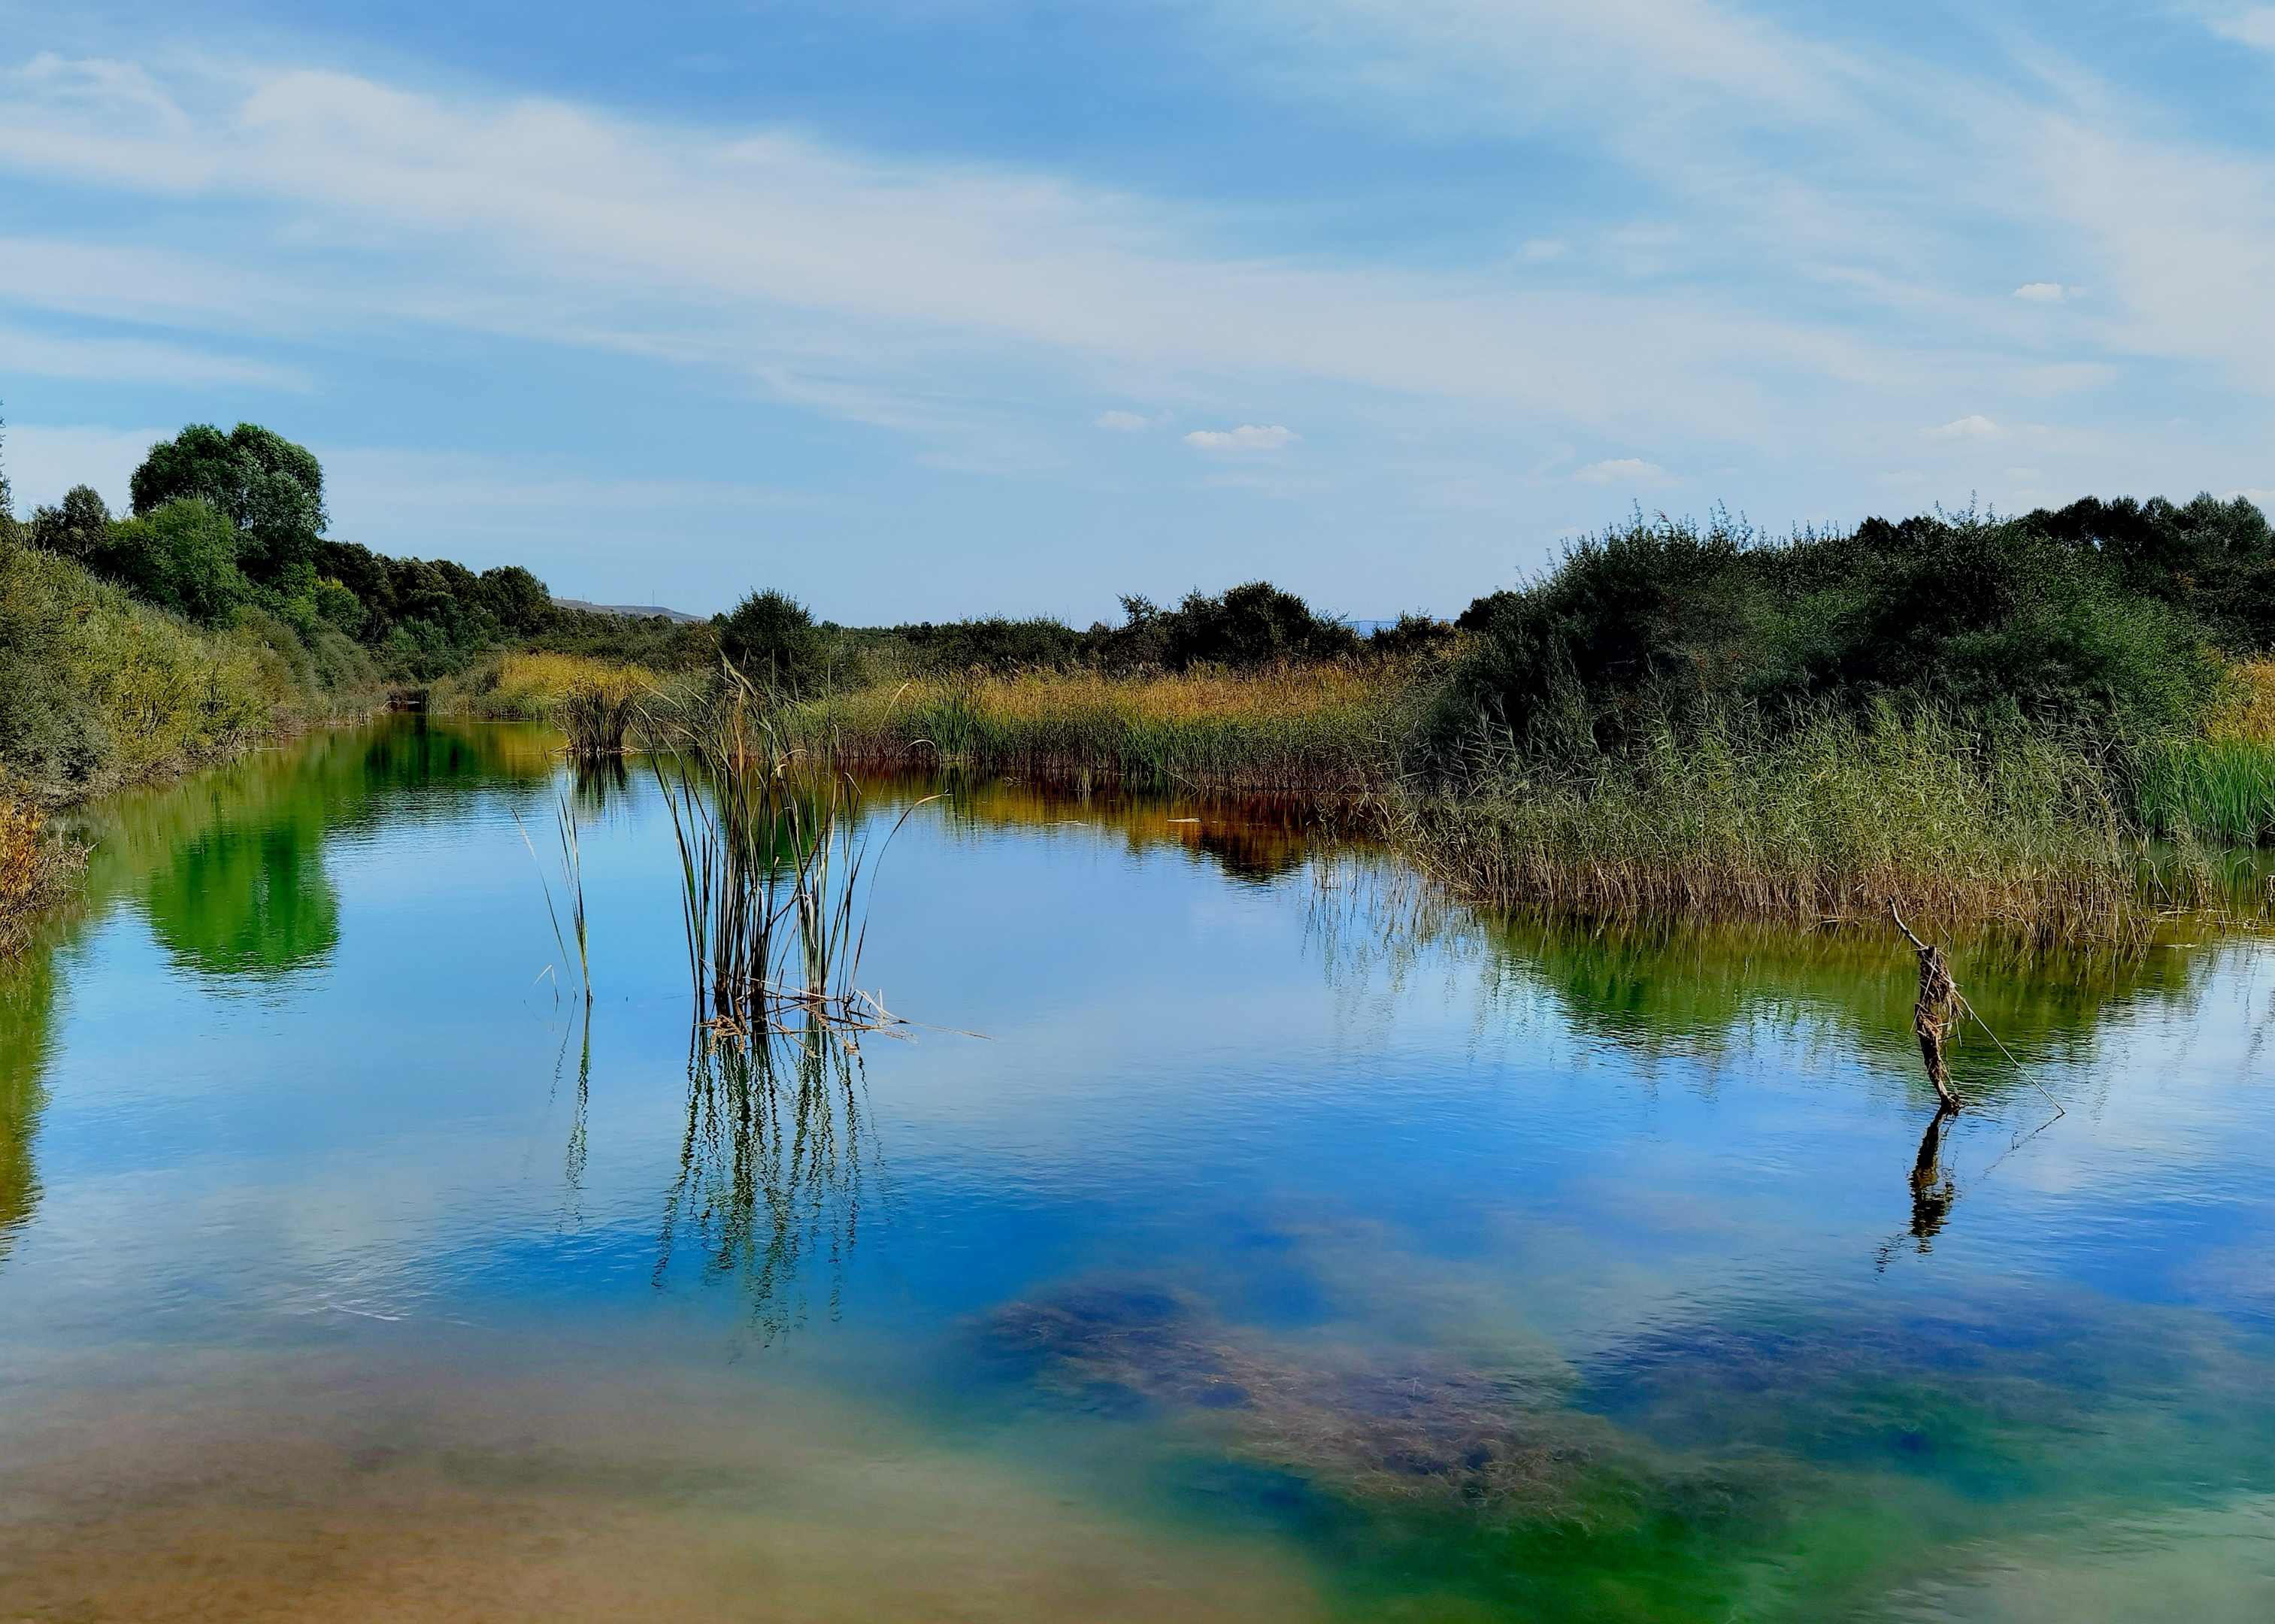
[1332, 729]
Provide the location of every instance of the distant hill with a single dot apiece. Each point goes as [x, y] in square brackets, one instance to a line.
[638, 611]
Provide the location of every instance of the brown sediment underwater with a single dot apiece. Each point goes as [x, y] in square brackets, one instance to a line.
[421, 1497]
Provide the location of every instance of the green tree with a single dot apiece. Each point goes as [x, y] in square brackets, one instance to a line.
[182, 557]
[269, 488]
[771, 639]
[78, 528]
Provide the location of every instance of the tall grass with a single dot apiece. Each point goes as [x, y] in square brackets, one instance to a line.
[600, 704]
[99, 689]
[1830, 819]
[772, 855]
[1327, 729]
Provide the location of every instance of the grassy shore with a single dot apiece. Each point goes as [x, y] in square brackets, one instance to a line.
[1827, 821]
[100, 690]
[1334, 729]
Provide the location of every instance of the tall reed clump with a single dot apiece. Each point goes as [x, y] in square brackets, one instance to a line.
[36, 868]
[2220, 786]
[597, 712]
[1828, 818]
[1331, 728]
[772, 858]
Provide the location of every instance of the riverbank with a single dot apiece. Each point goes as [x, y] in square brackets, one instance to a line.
[101, 691]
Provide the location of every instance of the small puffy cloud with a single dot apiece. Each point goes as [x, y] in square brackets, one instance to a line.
[1128, 422]
[2041, 293]
[1247, 437]
[1621, 471]
[1975, 427]
[2023, 473]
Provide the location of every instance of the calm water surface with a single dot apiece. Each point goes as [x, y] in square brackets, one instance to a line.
[1284, 1248]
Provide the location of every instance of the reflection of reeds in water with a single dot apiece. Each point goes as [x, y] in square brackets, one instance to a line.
[773, 1170]
[572, 881]
[772, 855]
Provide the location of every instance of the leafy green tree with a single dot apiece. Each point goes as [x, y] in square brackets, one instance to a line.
[182, 557]
[771, 639]
[269, 488]
[78, 528]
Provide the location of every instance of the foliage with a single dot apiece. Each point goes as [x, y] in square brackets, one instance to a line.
[656, 641]
[76, 528]
[2000, 623]
[771, 639]
[271, 490]
[98, 688]
[427, 617]
[993, 644]
[182, 557]
[1256, 624]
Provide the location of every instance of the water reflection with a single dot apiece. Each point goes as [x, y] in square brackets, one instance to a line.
[1255, 838]
[1933, 1188]
[27, 1020]
[248, 901]
[776, 1163]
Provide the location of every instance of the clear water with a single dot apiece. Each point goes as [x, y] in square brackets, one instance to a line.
[1286, 1248]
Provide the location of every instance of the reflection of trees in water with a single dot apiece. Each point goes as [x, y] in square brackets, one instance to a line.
[28, 1021]
[1253, 838]
[247, 899]
[777, 1160]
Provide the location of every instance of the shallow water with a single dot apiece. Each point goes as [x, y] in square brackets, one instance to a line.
[1286, 1248]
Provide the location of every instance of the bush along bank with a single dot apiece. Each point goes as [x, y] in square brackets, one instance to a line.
[1987, 718]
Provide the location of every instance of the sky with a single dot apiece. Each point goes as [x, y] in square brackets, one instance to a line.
[925, 308]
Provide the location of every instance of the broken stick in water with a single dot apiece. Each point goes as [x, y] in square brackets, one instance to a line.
[1936, 1012]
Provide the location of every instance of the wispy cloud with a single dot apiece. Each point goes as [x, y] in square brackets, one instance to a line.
[2041, 293]
[1622, 471]
[1976, 427]
[1247, 437]
[1128, 422]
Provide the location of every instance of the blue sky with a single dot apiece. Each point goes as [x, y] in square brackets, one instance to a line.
[936, 307]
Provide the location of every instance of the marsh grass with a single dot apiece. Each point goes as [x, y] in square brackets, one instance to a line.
[1825, 821]
[1330, 730]
[773, 858]
[603, 705]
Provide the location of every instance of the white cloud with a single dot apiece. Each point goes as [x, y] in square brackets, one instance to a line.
[43, 461]
[1128, 422]
[2024, 473]
[135, 360]
[2041, 293]
[2246, 24]
[1975, 427]
[1247, 437]
[1622, 471]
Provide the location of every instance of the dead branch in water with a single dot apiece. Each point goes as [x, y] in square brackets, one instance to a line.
[1936, 1012]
